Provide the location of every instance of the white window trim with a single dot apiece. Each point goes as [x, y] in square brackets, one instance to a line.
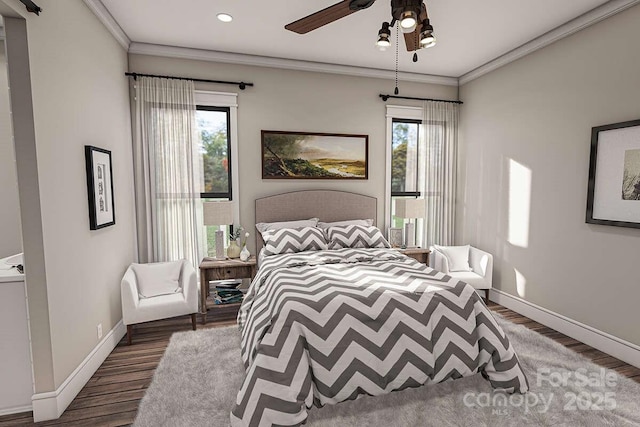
[224, 99]
[394, 112]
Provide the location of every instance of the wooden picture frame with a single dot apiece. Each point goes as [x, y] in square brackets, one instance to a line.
[99, 187]
[613, 196]
[309, 155]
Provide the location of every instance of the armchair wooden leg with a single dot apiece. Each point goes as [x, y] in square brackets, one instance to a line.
[486, 296]
[193, 321]
[129, 334]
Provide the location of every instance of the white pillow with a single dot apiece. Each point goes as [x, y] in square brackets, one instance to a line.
[269, 226]
[160, 278]
[457, 256]
[365, 222]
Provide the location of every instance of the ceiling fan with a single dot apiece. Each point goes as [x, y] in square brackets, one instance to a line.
[411, 15]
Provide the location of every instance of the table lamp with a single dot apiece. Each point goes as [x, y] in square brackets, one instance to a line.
[218, 213]
[410, 209]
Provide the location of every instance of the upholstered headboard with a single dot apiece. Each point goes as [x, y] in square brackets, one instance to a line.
[328, 205]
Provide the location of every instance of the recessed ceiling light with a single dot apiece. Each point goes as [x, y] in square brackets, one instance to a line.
[225, 17]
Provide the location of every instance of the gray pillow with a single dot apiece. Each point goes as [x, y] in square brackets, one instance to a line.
[292, 240]
[356, 236]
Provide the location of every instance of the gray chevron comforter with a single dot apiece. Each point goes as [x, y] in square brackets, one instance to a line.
[323, 327]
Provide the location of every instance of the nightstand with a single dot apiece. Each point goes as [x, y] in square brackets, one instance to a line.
[222, 270]
[419, 254]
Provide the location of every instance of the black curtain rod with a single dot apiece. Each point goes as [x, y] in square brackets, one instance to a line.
[241, 85]
[385, 97]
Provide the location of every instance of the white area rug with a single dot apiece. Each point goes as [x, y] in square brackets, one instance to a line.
[200, 373]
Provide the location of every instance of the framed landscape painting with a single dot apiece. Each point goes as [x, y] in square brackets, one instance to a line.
[306, 155]
[99, 187]
[614, 175]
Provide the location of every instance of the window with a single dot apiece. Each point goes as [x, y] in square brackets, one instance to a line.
[421, 163]
[216, 118]
[215, 146]
[404, 162]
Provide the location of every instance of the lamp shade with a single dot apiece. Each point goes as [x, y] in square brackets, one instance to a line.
[410, 208]
[218, 213]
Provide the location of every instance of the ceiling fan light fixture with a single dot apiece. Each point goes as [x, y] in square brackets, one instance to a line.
[224, 17]
[383, 42]
[426, 26]
[428, 42]
[408, 21]
[427, 39]
[383, 36]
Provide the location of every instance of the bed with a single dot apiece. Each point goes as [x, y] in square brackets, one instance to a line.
[322, 327]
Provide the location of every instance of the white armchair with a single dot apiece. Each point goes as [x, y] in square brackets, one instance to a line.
[136, 308]
[480, 262]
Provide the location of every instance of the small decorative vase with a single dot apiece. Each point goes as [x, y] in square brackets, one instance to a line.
[233, 251]
[244, 254]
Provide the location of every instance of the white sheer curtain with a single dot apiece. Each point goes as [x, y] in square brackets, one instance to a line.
[166, 170]
[437, 180]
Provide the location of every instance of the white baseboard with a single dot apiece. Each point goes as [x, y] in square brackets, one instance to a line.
[16, 410]
[607, 343]
[50, 405]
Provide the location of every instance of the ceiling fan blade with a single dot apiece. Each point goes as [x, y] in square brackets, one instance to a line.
[412, 40]
[321, 18]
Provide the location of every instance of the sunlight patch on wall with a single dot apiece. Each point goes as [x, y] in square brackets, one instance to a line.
[519, 203]
[521, 283]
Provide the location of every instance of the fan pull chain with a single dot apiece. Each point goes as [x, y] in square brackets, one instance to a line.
[415, 38]
[396, 91]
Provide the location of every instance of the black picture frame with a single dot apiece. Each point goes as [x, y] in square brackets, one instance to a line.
[100, 194]
[354, 168]
[603, 207]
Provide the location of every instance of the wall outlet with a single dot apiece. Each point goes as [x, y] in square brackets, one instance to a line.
[99, 330]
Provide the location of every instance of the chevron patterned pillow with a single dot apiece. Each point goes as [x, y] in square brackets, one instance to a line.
[291, 240]
[356, 236]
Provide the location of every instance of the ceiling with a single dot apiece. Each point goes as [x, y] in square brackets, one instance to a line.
[469, 33]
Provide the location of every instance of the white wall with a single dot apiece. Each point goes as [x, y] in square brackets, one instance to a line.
[80, 97]
[10, 240]
[298, 101]
[525, 141]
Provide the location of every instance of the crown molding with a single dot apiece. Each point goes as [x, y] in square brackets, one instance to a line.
[108, 21]
[290, 64]
[581, 22]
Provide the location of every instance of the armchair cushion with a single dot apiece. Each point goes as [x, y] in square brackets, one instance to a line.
[457, 257]
[157, 279]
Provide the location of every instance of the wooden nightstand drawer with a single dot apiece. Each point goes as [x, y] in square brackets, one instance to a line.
[231, 273]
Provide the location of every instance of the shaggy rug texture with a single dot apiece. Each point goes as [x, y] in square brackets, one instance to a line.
[198, 378]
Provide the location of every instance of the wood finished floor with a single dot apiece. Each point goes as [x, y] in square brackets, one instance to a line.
[112, 395]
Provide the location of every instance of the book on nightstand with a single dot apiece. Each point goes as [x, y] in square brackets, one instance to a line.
[227, 292]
